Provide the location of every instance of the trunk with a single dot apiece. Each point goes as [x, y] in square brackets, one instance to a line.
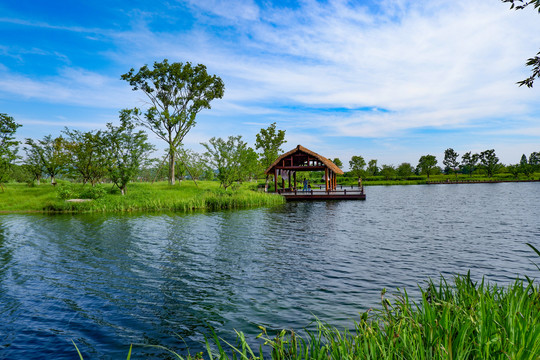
[171, 165]
[123, 191]
[52, 181]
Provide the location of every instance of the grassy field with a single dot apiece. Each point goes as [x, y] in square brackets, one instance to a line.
[140, 197]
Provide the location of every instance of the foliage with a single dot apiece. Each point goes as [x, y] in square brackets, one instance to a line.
[126, 150]
[451, 160]
[52, 153]
[404, 170]
[534, 62]
[388, 172]
[8, 146]
[87, 155]
[177, 93]
[469, 161]
[372, 168]
[230, 158]
[356, 165]
[489, 162]
[269, 142]
[427, 164]
[338, 162]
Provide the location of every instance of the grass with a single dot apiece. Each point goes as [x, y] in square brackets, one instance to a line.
[422, 179]
[148, 197]
[461, 320]
[464, 320]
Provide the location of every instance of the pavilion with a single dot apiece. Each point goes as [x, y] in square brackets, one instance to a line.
[303, 159]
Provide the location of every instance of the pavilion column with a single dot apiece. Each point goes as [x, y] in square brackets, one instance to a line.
[326, 177]
[289, 180]
[294, 179]
[275, 180]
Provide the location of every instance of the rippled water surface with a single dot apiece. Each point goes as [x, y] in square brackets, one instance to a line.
[106, 281]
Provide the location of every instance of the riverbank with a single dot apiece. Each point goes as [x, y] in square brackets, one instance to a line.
[437, 179]
[157, 197]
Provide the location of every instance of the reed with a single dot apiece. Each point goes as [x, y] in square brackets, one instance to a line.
[464, 320]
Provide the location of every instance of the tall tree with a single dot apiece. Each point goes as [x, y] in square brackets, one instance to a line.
[427, 164]
[33, 163]
[177, 93]
[337, 162]
[126, 150]
[8, 146]
[52, 152]
[229, 158]
[523, 160]
[489, 161]
[534, 62]
[87, 155]
[357, 164]
[451, 160]
[372, 167]
[268, 142]
[469, 161]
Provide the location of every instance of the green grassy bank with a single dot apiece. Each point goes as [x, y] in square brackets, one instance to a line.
[140, 197]
[422, 179]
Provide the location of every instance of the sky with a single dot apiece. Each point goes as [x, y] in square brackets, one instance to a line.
[389, 80]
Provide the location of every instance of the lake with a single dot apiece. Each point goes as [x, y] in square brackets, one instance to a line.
[106, 281]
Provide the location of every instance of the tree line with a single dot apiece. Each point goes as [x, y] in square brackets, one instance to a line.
[484, 163]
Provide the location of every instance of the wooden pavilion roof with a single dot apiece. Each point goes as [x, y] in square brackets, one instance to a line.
[297, 161]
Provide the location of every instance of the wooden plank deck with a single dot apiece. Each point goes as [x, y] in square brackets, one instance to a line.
[321, 194]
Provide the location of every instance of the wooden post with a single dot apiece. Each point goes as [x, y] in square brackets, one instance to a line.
[326, 178]
[275, 179]
[289, 179]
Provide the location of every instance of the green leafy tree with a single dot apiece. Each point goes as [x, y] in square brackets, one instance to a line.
[229, 158]
[87, 154]
[534, 62]
[372, 168]
[356, 164]
[534, 159]
[388, 172]
[337, 162]
[523, 160]
[177, 93]
[515, 170]
[269, 141]
[126, 151]
[52, 152]
[8, 146]
[469, 161]
[427, 164]
[451, 160]
[33, 164]
[404, 170]
[489, 162]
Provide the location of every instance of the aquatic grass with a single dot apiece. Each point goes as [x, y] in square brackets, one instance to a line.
[462, 320]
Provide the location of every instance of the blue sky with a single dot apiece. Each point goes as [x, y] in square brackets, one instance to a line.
[389, 80]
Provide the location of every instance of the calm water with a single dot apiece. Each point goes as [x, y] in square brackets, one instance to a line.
[108, 281]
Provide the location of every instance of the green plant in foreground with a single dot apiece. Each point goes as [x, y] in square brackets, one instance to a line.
[465, 320]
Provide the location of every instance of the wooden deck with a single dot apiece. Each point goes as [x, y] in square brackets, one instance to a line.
[344, 193]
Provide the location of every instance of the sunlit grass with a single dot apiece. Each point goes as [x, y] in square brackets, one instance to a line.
[140, 197]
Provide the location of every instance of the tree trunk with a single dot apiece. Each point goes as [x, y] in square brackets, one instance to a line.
[171, 165]
[52, 181]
